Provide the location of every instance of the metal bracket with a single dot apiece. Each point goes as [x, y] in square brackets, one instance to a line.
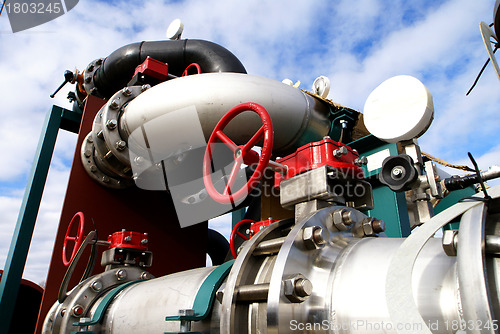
[205, 297]
[103, 305]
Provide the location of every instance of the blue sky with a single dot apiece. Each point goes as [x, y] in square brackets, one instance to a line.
[357, 44]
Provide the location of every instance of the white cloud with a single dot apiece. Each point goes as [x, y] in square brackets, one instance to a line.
[357, 45]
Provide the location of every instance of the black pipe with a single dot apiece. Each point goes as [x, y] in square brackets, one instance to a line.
[460, 182]
[118, 68]
[217, 247]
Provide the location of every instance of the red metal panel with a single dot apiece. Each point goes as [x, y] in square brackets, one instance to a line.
[174, 249]
[153, 68]
[317, 154]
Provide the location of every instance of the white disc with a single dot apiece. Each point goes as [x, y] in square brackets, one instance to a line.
[399, 109]
[321, 86]
[174, 30]
[488, 34]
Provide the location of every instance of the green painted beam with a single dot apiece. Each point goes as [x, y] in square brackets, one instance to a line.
[388, 205]
[237, 216]
[21, 240]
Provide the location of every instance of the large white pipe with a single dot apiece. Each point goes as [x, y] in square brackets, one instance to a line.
[297, 117]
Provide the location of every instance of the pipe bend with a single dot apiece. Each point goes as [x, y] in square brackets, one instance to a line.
[118, 68]
[297, 117]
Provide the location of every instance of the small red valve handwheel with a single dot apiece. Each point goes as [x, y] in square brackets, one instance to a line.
[236, 231]
[242, 154]
[195, 65]
[78, 239]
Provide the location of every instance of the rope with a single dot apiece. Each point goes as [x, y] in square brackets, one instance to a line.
[447, 164]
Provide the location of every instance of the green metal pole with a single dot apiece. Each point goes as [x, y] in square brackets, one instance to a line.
[18, 252]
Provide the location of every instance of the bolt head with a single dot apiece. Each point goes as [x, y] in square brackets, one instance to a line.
[398, 172]
[114, 104]
[219, 295]
[126, 91]
[303, 287]
[378, 226]
[186, 312]
[121, 145]
[96, 286]
[77, 311]
[121, 274]
[360, 161]
[145, 275]
[111, 124]
[450, 242]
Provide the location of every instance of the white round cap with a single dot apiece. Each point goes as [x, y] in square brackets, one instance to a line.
[321, 86]
[174, 30]
[399, 109]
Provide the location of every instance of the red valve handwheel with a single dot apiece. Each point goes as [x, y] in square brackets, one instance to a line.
[195, 65]
[78, 239]
[242, 154]
[236, 232]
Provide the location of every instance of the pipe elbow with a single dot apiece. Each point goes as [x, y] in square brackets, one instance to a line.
[118, 68]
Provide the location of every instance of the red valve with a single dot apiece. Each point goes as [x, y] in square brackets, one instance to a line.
[78, 239]
[242, 154]
[195, 65]
[236, 231]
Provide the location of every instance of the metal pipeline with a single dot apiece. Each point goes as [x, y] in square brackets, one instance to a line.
[179, 115]
[113, 73]
[334, 284]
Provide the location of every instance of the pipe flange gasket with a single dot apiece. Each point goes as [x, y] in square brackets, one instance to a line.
[88, 77]
[111, 113]
[94, 170]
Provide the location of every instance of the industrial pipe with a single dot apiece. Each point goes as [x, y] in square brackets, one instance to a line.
[179, 115]
[115, 71]
[336, 284]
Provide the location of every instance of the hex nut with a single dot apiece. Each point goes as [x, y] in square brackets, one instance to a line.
[297, 288]
[368, 226]
[342, 218]
[314, 237]
[450, 242]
